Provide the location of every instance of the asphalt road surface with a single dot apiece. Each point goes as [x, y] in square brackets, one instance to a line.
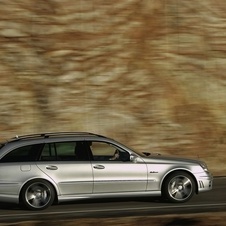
[212, 201]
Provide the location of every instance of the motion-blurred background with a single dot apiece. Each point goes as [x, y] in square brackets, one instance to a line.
[149, 73]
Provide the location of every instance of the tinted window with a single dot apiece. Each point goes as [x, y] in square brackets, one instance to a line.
[23, 154]
[65, 151]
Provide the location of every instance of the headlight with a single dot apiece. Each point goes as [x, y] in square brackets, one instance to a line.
[204, 166]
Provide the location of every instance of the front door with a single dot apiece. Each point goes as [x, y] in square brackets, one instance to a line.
[112, 174]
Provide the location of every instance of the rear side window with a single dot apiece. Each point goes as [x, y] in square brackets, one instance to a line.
[65, 151]
[23, 154]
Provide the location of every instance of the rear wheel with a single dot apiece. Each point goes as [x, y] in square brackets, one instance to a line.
[37, 195]
[179, 187]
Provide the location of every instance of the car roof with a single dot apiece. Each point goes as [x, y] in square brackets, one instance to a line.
[41, 136]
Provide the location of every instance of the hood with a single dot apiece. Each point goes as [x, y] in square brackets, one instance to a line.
[149, 157]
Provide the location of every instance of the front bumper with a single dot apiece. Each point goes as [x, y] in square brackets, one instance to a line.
[204, 182]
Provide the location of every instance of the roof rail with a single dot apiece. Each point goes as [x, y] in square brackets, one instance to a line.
[52, 134]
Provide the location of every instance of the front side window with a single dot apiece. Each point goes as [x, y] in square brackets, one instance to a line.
[102, 151]
[23, 154]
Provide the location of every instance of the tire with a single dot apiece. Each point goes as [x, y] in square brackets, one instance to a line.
[179, 187]
[37, 195]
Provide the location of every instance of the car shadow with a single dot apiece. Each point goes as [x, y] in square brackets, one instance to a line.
[116, 200]
[11, 206]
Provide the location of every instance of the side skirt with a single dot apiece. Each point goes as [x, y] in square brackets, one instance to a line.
[108, 195]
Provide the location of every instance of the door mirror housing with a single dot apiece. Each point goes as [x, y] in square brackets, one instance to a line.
[124, 156]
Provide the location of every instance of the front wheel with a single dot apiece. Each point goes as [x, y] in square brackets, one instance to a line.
[179, 187]
[37, 195]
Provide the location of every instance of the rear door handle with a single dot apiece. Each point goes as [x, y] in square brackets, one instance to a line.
[99, 167]
[51, 167]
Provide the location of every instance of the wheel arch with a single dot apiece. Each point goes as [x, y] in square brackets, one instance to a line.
[56, 191]
[177, 171]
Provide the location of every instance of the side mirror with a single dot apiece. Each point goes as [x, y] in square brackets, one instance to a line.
[133, 158]
[124, 156]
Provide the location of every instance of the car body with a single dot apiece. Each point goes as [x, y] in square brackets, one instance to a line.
[38, 169]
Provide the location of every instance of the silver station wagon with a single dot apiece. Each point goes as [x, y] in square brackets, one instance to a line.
[39, 169]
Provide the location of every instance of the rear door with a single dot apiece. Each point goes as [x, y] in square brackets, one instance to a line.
[68, 164]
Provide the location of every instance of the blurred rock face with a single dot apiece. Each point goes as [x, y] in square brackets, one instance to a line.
[148, 73]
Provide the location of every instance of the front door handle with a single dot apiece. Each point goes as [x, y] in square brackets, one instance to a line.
[51, 167]
[99, 167]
